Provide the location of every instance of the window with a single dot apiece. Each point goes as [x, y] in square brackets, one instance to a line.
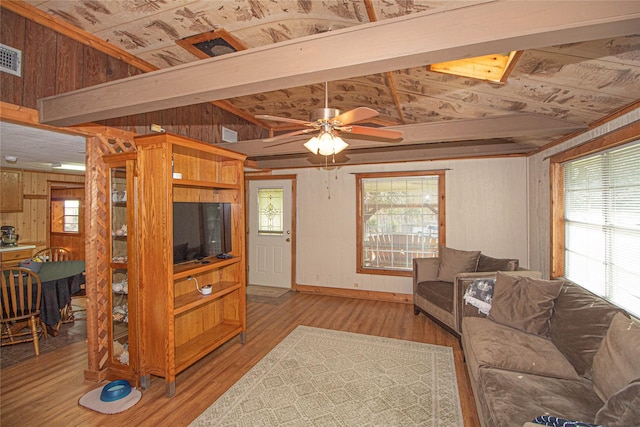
[400, 217]
[598, 222]
[65, 216]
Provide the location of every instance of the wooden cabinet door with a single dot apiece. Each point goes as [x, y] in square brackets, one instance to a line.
[11, 183]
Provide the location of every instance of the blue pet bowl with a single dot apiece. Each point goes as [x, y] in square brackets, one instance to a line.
[115, 390]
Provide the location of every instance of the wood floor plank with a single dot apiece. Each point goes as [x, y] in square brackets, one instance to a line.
[45, 390]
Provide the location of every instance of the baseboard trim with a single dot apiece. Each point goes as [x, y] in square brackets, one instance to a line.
[356, 293]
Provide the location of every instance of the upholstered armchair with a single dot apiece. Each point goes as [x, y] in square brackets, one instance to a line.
[439, 283]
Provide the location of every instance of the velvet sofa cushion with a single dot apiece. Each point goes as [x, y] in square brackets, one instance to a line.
[509, 398]
[454, 261]
[487, 263]
[617, 362]
[578, 336]
[490, 344]
[524, 303]
[623, 407]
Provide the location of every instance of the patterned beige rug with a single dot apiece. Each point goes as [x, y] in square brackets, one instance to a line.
[324, 377]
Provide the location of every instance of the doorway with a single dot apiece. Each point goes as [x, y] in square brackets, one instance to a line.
[271, 231]
[65, 217]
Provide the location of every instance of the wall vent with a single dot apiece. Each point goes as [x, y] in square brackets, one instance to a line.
[229, 135]
[10, 60]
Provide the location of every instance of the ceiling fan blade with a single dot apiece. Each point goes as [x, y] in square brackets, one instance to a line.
[355, 115]
[286, 135]
[375, 132]
[282, 119]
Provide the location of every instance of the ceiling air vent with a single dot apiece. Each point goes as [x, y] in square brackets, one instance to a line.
[10, 60]
[229, 135]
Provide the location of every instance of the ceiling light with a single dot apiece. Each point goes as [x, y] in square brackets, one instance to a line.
[69, 166]
[10, 159]
[326, 144]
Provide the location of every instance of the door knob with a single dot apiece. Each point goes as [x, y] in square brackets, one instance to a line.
[288, 239]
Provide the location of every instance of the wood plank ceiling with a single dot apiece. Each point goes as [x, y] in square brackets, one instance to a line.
[552, 90]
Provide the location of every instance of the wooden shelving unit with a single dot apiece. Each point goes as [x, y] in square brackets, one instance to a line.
[122, 302]
[179, 325]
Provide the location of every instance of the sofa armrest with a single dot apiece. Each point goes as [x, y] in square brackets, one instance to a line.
[463, 280]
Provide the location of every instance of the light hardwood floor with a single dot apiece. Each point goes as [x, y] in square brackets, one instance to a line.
[45, 390]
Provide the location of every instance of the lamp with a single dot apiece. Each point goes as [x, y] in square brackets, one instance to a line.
[327, 143]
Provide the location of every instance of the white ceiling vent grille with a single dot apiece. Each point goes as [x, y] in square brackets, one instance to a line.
[10, 60]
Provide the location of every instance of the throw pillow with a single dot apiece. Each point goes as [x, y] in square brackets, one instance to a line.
[487, 263]
[622, 409]
[454, 261]
[524, 303]
[616, 362]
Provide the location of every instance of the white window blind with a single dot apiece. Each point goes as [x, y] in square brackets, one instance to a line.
[602, 224]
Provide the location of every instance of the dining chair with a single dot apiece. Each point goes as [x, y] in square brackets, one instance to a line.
[53, 254]
[21, 295]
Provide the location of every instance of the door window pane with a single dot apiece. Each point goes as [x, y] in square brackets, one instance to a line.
[270, 209]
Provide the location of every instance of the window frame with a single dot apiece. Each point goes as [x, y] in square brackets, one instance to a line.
[599, 144]
[442, 237]
[79, 216]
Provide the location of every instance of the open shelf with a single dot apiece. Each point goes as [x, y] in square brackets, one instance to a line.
[194, 349]
[181, 271]
[204, 184]
[118, 266]
[195, 299]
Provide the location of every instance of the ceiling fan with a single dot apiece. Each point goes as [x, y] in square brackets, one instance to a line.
[330, 122]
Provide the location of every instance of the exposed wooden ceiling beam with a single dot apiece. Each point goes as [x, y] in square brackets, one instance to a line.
[509, 126]
[399, 43]
[451, 150]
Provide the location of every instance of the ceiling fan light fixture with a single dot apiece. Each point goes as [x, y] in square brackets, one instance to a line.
[326, 144]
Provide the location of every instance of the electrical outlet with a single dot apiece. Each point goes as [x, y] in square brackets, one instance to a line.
[355, 285]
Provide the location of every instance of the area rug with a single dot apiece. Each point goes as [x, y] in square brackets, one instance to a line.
[324, 377]
[266, 291]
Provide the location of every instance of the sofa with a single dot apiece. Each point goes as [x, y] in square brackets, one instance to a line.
[440, 283]
[551, 349]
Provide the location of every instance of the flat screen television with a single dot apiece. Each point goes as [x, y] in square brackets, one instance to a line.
[200, 230]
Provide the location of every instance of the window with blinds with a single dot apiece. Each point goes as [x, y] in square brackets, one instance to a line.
[602, 224]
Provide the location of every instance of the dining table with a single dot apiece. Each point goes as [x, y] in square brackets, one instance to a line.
[60, 280]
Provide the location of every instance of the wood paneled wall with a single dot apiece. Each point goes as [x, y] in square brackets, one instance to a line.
[31, 223]
[54, 63]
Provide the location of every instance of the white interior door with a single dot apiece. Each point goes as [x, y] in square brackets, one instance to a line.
[270, 237]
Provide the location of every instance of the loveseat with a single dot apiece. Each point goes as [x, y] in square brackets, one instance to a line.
[440, 283]
[552, 348]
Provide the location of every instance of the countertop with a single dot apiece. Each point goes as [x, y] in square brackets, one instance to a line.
[16, 248]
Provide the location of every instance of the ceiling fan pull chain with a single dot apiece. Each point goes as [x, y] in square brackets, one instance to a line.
[326, 166]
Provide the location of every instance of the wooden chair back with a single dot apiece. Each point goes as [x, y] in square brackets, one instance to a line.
[53, 254]
[21, 294]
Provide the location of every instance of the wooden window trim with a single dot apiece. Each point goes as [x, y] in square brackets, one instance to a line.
[359, 232]
[610, 140]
